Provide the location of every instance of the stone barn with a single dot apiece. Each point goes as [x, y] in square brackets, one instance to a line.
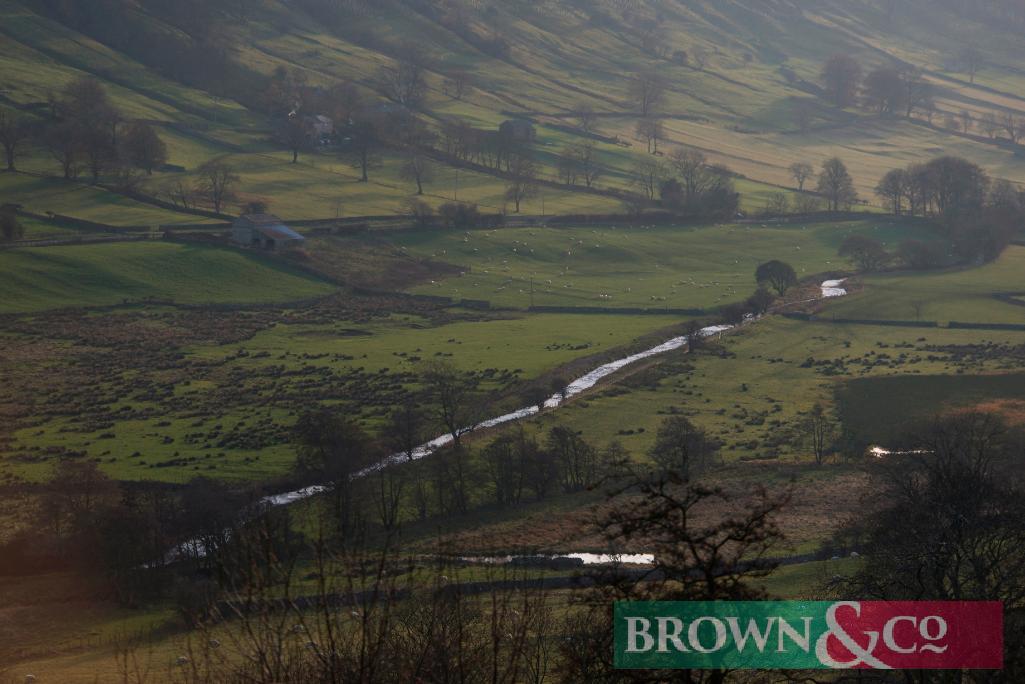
[265, 231]
[520, 130]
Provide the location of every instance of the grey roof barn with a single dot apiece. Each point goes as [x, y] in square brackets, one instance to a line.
[266, 231]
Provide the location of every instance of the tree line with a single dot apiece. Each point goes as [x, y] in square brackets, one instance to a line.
[85, 132]
[903, 90]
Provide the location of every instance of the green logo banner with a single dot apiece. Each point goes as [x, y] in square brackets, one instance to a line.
[809, 635]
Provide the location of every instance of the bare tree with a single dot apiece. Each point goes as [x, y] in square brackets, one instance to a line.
[918, 93]
[568, 166]
[650, 131]
[405, 82]
[586, 117]
[216, 182]
[965, 118]
[417, 167]
[14, 134]
[892, 188]
[10, 228]
[884, 90]
[363, 145]
[647, 90]
[989, 124]
[683, 448]
[841, 75]
[333, 448]
[777, 204]
[458, 84]
[576, 460]
[779, 275]
[1012, 125]
[691, 167]
[587, 162]
[820, 432]
[805, 203]
[522, 183]
[293, 134]
[457, 403]
[836, 185]
[916, 306]
[143, 147]
[697, 557]
[648, 174]
[406, 431]
[971, 59]
[64, 143]
[801, 172]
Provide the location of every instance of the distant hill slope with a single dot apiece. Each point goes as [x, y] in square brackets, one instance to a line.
[747, 94]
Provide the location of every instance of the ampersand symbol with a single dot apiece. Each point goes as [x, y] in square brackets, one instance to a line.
[861, 655]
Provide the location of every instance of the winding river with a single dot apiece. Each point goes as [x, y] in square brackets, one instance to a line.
[830, 289]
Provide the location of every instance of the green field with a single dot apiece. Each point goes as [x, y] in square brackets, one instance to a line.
[965, 295]
[53, 195]
[226, 409]
[98, 275]
[752, 397]
[654, 266]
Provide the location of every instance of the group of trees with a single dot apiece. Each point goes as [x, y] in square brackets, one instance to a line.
[114, 531]
[85, 132]
[885, 89]
[946, 186]
[949, 526]
[952, 527]
[687, 184]
[979, 216]
[903, 90]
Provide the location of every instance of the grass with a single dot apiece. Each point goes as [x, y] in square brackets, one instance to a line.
[654, 266]
[99, 275]
[964, 295]
[753, 395]
[527, 345]
[36, 229]
[225, 410]
[808, 581]
[42, 195]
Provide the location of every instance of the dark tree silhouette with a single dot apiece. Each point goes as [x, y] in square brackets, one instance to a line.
[779, 275]
[841, 76]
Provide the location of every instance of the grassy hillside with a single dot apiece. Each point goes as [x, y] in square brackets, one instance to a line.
[654, 266]
[97, 275]
[752, 66]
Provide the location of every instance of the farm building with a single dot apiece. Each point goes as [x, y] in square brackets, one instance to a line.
[266, 231]
[520, 130]
[318, 128]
